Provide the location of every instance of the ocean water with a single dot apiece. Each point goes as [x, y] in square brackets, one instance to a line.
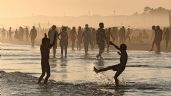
[146, 73]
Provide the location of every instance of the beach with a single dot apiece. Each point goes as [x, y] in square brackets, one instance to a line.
[147, 73]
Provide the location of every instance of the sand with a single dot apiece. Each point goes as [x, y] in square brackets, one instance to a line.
[19, 84]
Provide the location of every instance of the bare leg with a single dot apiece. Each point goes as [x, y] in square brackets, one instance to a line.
[152, 46]
[65, 51]
[48, 74]
[104, 69]
[116, 78]
[54, 51]
[41, 77]
[61, 51]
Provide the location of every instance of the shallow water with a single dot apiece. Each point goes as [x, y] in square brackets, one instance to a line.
[147, 73]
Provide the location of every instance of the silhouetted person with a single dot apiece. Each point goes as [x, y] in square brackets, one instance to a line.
[33, 35]
[166, 35]
[129, 31]
[108, 34]
[100, 39]
[63, 41]
[85, 36]
[45, 48]
[27, 33]
[159, 38]
[21, 33]
[10, 34]
[73, 37]
[155, 37]
[3, 33]
[79, 38]
[119, 68]
[16, 34]
[122, 34]
[53, 35]
[93, 38]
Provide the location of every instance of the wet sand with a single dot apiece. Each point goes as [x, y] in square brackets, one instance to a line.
[19, 84]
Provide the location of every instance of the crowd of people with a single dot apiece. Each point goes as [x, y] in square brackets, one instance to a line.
[88, 36]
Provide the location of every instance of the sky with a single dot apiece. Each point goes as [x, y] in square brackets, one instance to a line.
[21, 8]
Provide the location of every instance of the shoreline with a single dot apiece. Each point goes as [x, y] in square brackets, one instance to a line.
[131, 45]
[17, 83]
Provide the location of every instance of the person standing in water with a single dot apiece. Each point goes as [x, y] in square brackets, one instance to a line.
[122, 34]
[108, 34]
[73, 37]
[27, 33]
[159, 38]
[63, 41]
[79, 38]
[44, 49]
[119, 68]
[166, 35]
[155, 38]
[100, 39]
[10, 34]
[33, 35]
[53, 35]
[86, 35]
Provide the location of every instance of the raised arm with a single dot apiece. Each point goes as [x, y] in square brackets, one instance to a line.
[114, 45]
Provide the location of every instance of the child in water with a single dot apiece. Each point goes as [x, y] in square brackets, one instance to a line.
[45, 48]
[119, 68]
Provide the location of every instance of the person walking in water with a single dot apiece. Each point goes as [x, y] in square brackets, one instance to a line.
[166, 35]
[159, 38]
[53, 35]
[108, 35]
[44, 49]
[27, 33]
[10, 33]
[101, 39]
[79, 38]
[155, 38]
[86, 35]
[63, 41]
[119, 68]
[33, 35]
[73, 37]
[122, 34]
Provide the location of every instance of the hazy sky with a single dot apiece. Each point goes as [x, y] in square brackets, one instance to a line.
[15, 8]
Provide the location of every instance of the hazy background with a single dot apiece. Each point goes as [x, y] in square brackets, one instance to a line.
[21, 12]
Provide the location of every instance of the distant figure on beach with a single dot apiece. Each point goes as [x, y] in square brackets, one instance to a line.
[33, 35]
[27, 33]
[122, 34]
[93, 38]
[16, 34]
[10, 33]
[53, 35]
[100, 39]
[108, 35]
[166, 35]
[119, 68]
[128, 34]
[79, 38]
[45, 48]
[73, 37]
[157, 38]
[63, 41]
[86, 38]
